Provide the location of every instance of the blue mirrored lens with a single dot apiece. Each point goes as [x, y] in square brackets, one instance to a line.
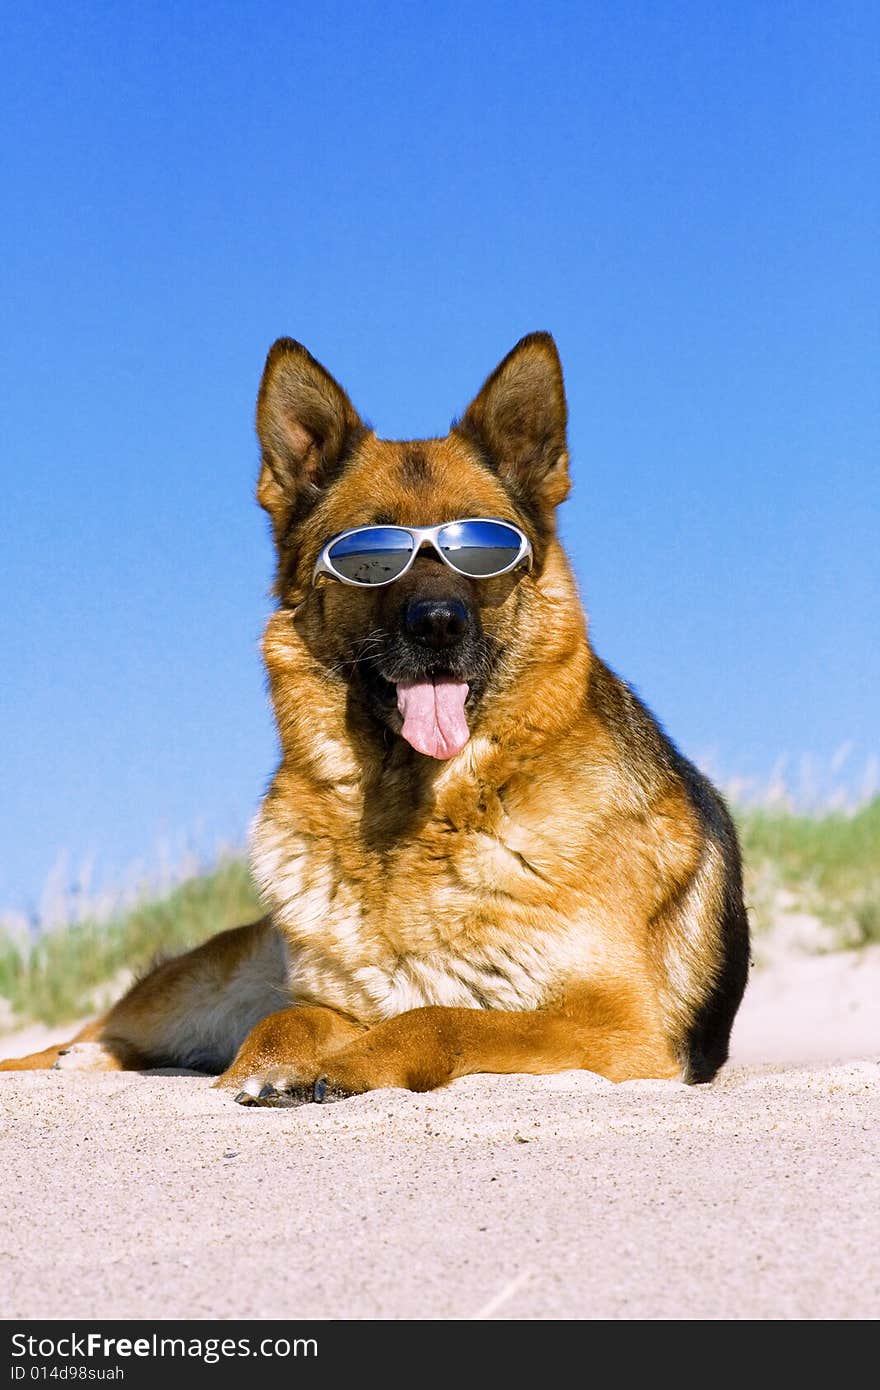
[373, 555]
[480, 548]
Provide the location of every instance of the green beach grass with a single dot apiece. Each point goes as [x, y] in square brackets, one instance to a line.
[822, 869]
[63, 973]
[826, 867]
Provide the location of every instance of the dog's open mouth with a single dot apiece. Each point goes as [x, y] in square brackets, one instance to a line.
[432, 710]
[428, 700]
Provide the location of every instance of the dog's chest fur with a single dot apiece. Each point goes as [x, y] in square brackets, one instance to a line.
[458, 904]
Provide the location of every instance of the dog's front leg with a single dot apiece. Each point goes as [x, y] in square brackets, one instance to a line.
[602, 1029]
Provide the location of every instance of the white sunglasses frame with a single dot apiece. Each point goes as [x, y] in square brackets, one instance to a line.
[421, 535]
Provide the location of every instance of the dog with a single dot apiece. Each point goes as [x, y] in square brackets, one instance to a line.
[480, 852]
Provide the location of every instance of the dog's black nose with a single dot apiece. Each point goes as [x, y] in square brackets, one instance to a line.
[438, 622]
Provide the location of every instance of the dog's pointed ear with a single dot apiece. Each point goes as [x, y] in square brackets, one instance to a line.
[519, 419]
[305, 424]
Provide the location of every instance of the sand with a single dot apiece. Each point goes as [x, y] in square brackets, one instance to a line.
[153, 1196]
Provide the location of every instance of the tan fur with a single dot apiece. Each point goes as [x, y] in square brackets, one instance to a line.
[540, 901]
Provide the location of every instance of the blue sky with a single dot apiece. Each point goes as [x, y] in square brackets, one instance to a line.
[685, 194]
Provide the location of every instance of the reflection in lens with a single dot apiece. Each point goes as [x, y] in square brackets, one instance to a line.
[373, 555]
[480, 548]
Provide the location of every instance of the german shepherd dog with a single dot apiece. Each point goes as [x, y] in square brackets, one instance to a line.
[480, 853]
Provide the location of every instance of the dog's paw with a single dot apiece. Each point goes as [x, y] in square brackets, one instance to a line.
[279, 1088]
[86, 1056]
[276, 1087]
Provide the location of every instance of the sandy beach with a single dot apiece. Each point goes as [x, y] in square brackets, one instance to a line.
[153, 1196]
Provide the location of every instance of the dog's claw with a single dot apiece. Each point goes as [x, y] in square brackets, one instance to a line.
[284, 1092]
[274, 1094]
[323, 1093]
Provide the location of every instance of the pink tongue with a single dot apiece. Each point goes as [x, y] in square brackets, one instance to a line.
[433, 716]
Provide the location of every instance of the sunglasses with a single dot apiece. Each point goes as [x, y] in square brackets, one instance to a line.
[478, 547]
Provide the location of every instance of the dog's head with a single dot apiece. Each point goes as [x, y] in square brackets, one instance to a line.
[420, 655]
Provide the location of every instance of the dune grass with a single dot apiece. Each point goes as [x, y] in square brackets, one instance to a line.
[64, 973]
[824, 870]
[825, 867]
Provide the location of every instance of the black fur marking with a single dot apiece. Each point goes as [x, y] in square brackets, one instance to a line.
[415, 467]
[708, 1041]
[706, 1044]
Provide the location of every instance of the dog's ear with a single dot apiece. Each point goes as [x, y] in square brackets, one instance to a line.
[306, 424]
[518, 421]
